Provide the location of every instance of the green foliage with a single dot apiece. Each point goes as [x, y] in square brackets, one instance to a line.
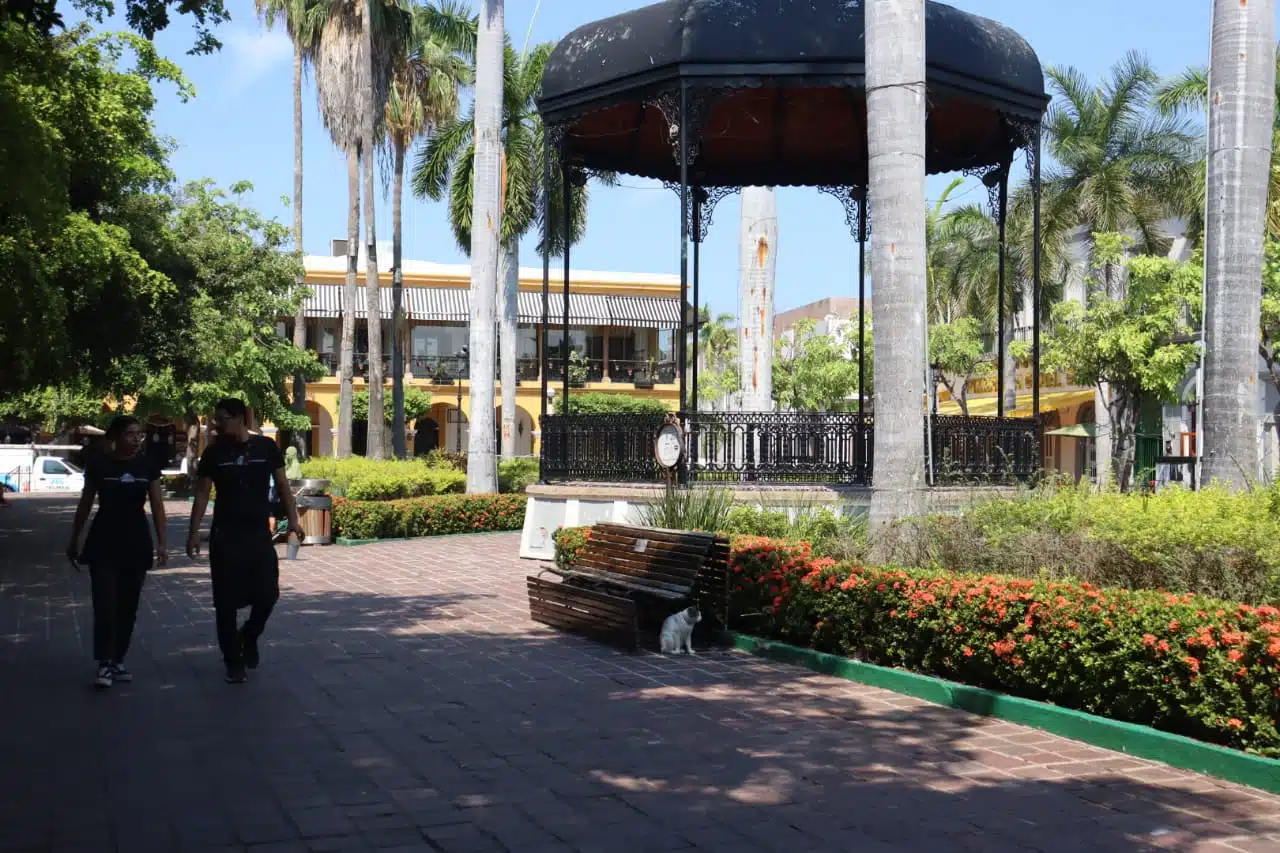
[516, 475]
[417, 404]
[428, 516]
[718, 339]
[1195, 666]
[147, 17]
[577, 368]
[49, 408]
[441, 458]
[1269, 346]
[831, 534]
[1209, 542]
[599, 403]
[816, 373]
[569, 541]
[688, 509]
[958, 350]
[361, 478]
[1139, 343]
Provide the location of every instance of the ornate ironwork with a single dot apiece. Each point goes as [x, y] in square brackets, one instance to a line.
[851, 199]
[985, 450]
[611, 448]
[699, 106]
[1026, 134]
[781, 447]
[711, 196]
[991, 177]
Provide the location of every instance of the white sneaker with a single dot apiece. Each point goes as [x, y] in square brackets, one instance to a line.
[120, 673]
[106, 676]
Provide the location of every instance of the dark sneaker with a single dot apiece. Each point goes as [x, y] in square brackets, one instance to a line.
[105, 677]
[120, 674]
[249, 648]
[236, 674]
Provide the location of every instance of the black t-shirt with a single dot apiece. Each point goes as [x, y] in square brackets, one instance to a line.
[241, 474]
[160, 443]
[120, 530]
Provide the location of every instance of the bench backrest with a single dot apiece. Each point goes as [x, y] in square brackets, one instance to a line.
[671, 559]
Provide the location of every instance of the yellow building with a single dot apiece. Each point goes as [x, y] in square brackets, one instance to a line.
[622, 324]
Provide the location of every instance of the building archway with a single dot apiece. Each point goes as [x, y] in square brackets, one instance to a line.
[453, 423]
[426, 437]
[321, 443]
[524, 430]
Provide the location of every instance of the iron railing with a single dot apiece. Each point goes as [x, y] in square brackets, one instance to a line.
[439, 368]
[781, 447]
[985, 450]
[659, 373]
[611, 448]
[592, 369]
[832, 448]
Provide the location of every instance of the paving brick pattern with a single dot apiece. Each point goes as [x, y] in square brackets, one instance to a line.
[407, 703]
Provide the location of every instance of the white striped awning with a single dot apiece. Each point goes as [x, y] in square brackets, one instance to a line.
[584, 309]
[442, 304]
[645, 312]
[326, 301]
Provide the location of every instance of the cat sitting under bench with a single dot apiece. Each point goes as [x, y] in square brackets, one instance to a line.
[677, 631]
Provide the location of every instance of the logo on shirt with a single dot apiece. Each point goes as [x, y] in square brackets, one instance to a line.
[126, 478]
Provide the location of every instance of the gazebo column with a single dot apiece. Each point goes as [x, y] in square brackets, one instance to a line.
[1035, 280]
[862, 302]
[1002, 207]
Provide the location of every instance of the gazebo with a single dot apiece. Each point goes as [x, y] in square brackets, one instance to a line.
[712, 95]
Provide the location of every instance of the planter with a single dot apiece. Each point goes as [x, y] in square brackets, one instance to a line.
[642, 380]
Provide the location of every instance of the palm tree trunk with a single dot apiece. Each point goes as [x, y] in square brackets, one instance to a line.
[896, 148]
[486, 214]
[397, 284]
[350, 292]
[300, 320]
[377, 425]
[1241, 120]
[509, 279]
[757, 268]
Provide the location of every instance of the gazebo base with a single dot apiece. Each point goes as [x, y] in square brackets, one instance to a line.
[584, 503]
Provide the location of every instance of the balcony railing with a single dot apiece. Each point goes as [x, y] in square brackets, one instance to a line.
[830, 448]
[592, 367]
[441, 369]
[452, 368]
[641, 372]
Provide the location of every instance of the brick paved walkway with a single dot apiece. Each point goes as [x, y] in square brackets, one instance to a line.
[407, 703]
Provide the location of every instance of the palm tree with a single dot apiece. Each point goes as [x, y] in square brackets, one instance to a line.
[1189, 92]
[944, 296]
[757, 268]
[353, 79]
[1118, 165]
[896, 148]
[301, 20]
[446, 168]
[1241, 127]
[424, 94]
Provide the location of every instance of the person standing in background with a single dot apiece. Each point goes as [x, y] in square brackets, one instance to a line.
[243, 564]
[118, 549]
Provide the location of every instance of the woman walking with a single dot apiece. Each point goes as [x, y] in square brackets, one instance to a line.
[118, 549]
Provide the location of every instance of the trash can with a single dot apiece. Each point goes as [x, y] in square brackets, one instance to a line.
[315, 511]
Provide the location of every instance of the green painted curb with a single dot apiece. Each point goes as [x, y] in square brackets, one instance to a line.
[351, 542]
[1141, 741]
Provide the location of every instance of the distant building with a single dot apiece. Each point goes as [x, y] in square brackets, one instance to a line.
[831, 315]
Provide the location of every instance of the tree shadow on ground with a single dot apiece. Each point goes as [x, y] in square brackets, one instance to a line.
[444, 721]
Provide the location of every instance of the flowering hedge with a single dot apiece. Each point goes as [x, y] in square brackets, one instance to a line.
[569, 541]
[428, 516]
[1182, 663]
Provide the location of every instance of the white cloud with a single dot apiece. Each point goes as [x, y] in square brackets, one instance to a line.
[254, 53]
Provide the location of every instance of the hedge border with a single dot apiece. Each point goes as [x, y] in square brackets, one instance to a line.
[1140, 741]
[339, 540]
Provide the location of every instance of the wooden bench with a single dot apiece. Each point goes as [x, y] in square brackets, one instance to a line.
[626, 579]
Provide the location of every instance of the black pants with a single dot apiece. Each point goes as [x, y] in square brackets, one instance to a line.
[245, 573]
[117, 588]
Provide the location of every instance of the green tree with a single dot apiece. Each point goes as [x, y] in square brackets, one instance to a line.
[718, 346]
[1138, 345]
[1269, 342]
[814, 372]
[146, 17]
[80, 225]
[242, 279]
[1116, 164]
[958, 351]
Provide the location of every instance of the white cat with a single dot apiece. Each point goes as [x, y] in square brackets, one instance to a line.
[677, 631]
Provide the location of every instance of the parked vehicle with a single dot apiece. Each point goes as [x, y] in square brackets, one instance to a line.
[33, 468]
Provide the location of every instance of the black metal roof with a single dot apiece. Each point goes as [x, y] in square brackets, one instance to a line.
[981, 75]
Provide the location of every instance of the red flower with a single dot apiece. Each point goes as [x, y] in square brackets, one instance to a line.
[1234, 655]
[1148, 639]
[968, 652]
[1192, 663]
[1235, 724]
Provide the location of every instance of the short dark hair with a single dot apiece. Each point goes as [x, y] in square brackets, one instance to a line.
[118, 425]
[233, 406]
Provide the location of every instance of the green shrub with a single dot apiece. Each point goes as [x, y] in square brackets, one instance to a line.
[831, 534]
[1187, 664]
[515, 475]
[568, 542]
[428, 516]
[383, 479]
[441, 458]
[1210, 542]
[688, 509]
[598, 403]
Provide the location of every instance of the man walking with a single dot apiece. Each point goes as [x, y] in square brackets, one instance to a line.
[242, 556]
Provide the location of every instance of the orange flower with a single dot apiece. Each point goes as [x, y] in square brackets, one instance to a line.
[1192, 663]
[968, 652]
[1148, 639]
[1235, 655]
[1235, 724]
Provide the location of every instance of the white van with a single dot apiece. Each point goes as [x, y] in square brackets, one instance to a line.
[29, 468]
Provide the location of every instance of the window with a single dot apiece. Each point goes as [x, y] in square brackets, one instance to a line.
[54, 467]
[527, 342]
[440, 341]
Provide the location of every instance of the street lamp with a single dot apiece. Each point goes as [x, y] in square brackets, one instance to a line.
[458, 419]
[933, 388]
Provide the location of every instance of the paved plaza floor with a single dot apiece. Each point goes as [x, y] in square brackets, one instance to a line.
[406, 702]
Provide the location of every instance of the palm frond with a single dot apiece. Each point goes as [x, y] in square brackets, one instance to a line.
[1187, 92]
[436, 158]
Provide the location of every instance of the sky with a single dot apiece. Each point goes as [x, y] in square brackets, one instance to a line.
[240, 127]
